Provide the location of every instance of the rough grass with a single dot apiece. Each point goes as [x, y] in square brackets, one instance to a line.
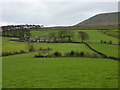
[22, 71]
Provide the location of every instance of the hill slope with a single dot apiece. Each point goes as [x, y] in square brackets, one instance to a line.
[101, 20]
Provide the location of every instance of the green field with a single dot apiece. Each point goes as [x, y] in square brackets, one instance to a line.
[94, 35]
[25, 71]
[113, 33]
[107, 49]
[63, 48]
[12, 46]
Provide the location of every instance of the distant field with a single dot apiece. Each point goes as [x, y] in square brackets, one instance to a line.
[22, 71]
[94, 35]
[113, 33]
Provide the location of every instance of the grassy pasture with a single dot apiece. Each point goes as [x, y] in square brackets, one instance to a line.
[107, 49]
[97, 36]
[25, 71]
[12, 46]
[22, 71]
[63, 47]
[94, 35]
[113, 33]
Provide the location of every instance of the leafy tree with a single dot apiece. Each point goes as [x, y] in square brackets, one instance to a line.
[83, 36]
[81, 54]
[70, 35]
[57, 54]
[110, 42]
[63, 34]
[101, 41]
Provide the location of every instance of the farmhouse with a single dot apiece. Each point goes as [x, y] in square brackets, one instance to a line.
[42, 39]
[35, 39]
[23, 39]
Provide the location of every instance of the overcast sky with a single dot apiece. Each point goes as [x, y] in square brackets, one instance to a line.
[54, 12]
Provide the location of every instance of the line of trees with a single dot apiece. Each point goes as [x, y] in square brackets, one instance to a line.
[62, 36]
[16, 33]
[14, 27]
[67, 35]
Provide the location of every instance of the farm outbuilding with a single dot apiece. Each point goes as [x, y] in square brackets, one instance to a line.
[46, 39]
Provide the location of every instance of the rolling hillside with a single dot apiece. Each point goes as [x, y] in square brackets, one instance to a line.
[102, 19]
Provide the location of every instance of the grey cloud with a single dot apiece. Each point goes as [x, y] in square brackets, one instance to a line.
[53, 13]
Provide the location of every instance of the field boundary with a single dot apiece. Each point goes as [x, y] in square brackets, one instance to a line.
[103, 55]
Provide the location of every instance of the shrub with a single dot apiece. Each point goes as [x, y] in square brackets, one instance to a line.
[110, 42]
[6, 53]
[104, 42]
[75, 54]
[57, 54]
[22, 51]
[12, 53]
[40, 56]
[17, 52]
[82, 54]
[72, 53]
